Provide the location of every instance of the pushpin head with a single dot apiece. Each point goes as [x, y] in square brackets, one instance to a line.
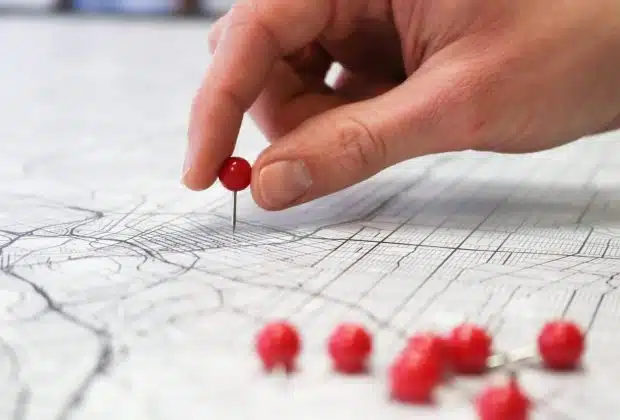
[504, 401]
[278, 344]
[235, 174]
[561, 344]
[349, 347]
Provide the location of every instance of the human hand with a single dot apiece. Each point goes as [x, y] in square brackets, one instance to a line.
[422, 77]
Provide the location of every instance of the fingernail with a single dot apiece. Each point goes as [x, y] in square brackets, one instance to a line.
[190, 155]
[212, 43]
[283, 182]
[187, 166]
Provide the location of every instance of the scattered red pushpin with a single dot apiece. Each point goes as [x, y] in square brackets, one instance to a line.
[235, 175]
[278, 345]
[469, 349]
[503, 402]
[349, 347]
[413, 376]
[561, 345]
[434, 343]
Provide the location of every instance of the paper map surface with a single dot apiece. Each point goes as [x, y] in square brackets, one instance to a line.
[124, 296]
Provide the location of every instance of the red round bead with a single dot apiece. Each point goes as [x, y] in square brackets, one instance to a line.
[469, 349]
[431, 342]
[235, 174]
[503, 402]
[414, 376]
[561, 345]
[278, 345]
[350, 346]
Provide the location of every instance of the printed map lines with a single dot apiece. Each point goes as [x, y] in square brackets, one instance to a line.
[187, 234]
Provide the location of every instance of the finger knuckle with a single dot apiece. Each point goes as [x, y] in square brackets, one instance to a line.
[250, 16]
[468, 99]
[464, 104]
[361, 147]
[240, 13]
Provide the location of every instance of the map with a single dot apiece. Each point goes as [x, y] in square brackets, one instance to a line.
[125, 296]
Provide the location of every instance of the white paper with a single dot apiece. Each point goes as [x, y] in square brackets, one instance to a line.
[125, 296]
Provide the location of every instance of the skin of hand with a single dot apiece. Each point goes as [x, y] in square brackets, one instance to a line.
[420, 77]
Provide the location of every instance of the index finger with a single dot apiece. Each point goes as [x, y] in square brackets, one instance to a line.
[256, 35]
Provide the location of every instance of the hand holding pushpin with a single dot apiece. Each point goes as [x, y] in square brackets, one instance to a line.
[235, 175]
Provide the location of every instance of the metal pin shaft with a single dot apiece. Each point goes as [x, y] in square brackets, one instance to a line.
[234, 214]
[501, 360]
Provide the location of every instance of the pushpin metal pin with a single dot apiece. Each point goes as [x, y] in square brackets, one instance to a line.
[234, 213]
[501, 360]
[235, 175]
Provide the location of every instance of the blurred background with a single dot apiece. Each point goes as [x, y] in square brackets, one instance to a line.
[179, 8]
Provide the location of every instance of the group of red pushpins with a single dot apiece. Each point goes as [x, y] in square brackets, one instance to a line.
[430, 357]
[235, 174]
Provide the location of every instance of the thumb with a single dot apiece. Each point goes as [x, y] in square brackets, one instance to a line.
[351, 143]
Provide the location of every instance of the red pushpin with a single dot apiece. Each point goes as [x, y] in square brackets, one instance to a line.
[561, 344]
[278, 344]
[350, 346]
[414, 375]
[235, 175]
[469, 348]
[433, 343]
[503, 402]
